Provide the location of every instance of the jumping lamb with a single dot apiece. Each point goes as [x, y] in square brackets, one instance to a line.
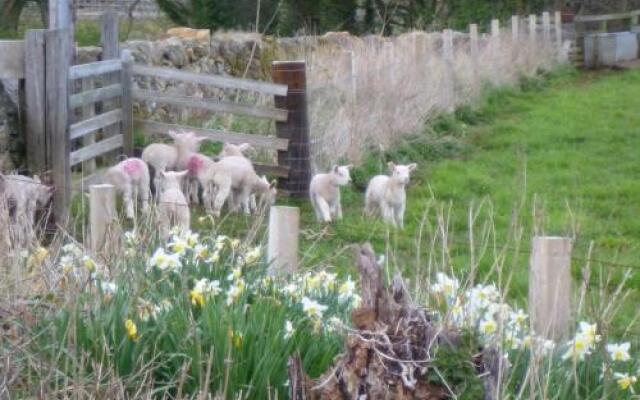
[387, 195]
[324, 192]
[173, 207]
[131, 178]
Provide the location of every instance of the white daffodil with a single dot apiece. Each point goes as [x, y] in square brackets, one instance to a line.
[579, 347]
[291, 290]
[346, 290]
[589, 332]
[207, 287]
[130, 238]
[289, 331]
[624, 381]
[253, 255]
[235, 291]
[191, 238]
[179, 246]
[312, 308]
[235, 274]
[488, 326]
[619, 352]
[200, 252]
[445, 285]
[518, 318]
[163, 261]
[108, 288]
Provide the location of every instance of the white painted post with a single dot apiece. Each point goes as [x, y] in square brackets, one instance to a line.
[515, 28]
[550, 286]
[102, 215]
[447, 49]
[546, 26]
[558, 30]
[282, 249]
[495, 28]
[532, 27]
[473, 41]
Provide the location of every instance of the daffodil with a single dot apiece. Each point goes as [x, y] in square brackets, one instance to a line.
[312, 308]
[589, 332]
[625, 381]
[235, 274]
[108, 288]
[619, 352]
[488, 326]
[131, 328]
[197, 298]
[88, 263]
[200, 252]
[346, 290]
[163, 261]
[179, 246]
[235, 291]
[236, 338]
[208, 287]
[37, 257]
[578, 347]
[288, 330]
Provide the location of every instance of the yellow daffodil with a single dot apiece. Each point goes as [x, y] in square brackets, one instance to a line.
[624, 381]
[88, 263]
[197, 298]
[131, 328]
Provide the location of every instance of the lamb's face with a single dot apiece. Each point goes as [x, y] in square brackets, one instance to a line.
[234, 150]
[341, 174]
[401, 173]
[188, 141]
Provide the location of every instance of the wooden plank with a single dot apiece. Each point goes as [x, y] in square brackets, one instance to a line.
[96, 149]
[606, 17]
[280, 171]
[224, 82]
[127, 102]
[12, 59]
[110, 51]
[268, 142]
[79, 129]
[57, 50]
[35, 96]
[88, 111]
[95, 95]
[94, 68]
[211, 105]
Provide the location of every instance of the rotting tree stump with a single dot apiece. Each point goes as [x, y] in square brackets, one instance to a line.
[390, 350]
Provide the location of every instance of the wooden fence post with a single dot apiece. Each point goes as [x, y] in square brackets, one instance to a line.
[473, 42]
[102, 215]
[35, 96]
[532, 27]
[546, 27]
[296, 128]
[284, 230]
[447, 50]
[550, 286]
[110, 50]
[127, 102]
[58, 47]
[515, 28]
[495, 28]
[557, 23]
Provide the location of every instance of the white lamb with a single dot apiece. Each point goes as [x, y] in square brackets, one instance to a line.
[324, 192]
[387, 195]
[173, 208]
[166, 157]
[234, 150]
[131, 178]
[229, 174]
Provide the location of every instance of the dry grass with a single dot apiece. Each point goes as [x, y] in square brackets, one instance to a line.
[372, 90]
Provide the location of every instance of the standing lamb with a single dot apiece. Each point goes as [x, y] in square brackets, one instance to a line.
[173, 207]
[131, 178]
[387, 194]
[324, 192]
[234, 150]
[165, 157]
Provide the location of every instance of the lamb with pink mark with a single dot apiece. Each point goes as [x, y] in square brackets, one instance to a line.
[131, 178]
[166, 157]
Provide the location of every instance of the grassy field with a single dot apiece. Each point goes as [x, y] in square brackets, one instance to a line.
[558, 155]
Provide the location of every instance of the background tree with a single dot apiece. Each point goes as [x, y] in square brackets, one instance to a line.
[11, 10]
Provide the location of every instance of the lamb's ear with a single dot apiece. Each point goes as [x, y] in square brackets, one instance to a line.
[201, 138]
[335, 168]
[391, 166]
[412, 166]
[348, 166]
[244, 147]
[163, 173]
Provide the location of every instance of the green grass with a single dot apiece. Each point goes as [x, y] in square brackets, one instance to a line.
[566, 143]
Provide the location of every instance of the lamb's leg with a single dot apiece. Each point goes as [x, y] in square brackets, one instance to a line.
[222, 194]
[316, 206]
[369, 206]
[245, 200]
[183, 217]
[387, 213]
[253, 205]
[399, 215]
[128, 200]
[338, 208]
[324, 209]
[143, 192]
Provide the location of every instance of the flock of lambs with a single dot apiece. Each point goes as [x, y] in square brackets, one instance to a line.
[180, 171]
